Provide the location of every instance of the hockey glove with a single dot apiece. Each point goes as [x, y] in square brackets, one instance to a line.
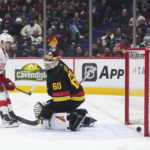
[9, 85]
[38, 109]
[1, 87]
[2, 78]
[42, 110]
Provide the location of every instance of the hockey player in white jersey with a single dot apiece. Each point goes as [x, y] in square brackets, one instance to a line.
[6, 112]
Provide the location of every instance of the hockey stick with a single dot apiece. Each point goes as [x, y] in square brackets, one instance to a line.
[28, 122]
[28, 93]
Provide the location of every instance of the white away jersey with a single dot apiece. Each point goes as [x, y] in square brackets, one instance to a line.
[3, 59]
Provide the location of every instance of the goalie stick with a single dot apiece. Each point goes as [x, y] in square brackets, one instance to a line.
[28, 122]
[28, 93]
[87, 75]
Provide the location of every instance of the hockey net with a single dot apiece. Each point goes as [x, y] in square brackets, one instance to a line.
[137, 67]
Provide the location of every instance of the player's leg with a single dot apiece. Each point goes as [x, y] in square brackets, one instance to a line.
[75, 117]
[9, 105]
[4, 103]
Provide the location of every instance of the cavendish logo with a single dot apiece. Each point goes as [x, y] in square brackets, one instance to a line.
[30, 71]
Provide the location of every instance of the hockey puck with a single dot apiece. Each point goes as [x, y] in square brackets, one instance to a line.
[138, 129]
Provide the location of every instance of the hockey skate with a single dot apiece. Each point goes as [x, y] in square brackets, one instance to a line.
[88, 122]
[77, 122]
[9, 122]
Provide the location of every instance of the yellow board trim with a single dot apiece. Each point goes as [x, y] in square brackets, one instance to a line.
[88, 90]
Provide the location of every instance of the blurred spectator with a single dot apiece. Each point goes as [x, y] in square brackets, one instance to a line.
[1, 25]
[147, 37]
[144, 6]
[15, 51]
[39, 20]
[39, 6]
[76, 25]
[35, 38]
[142, 26]
[4, 8]
[17, 26]
[26, 44]
[97, 48]
[98, 12]
[83, 11]
[8, 18]
[123, 20]
[33, 13]
[118, 36]
[139, 17]
[33, 51]
[63, 36]
[119, 50]
[14, 8]
[51, 38]
[139, 36]
[108, 48]
[7, 27]
[28, 29]
[79, 52]
[70, 12]
[64, 16]
[108, 34]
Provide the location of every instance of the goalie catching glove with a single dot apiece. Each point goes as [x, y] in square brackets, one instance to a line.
[42, 111]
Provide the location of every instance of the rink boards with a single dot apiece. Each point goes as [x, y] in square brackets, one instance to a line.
[99, 75]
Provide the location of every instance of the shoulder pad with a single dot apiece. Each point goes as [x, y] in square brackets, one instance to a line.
[65, 68]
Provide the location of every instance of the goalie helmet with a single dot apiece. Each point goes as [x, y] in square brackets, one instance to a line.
[4, 37]
[50, 61]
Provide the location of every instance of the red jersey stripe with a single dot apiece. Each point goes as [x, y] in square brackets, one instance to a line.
[3, 103]
[58, 94]
[78, 94]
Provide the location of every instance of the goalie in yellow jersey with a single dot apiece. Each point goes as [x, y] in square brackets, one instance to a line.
[67, 95]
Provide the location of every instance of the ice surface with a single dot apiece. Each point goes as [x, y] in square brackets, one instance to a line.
[109, 132]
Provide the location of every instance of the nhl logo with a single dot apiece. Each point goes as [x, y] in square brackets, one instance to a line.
[89, 72]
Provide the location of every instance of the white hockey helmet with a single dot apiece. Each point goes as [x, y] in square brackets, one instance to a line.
[4, 37]
[50, 61]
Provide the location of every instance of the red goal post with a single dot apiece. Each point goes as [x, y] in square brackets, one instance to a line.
[137, 78]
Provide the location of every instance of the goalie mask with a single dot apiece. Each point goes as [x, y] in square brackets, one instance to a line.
[50, 62]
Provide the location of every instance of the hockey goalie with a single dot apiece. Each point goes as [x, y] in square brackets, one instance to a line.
[61, 112]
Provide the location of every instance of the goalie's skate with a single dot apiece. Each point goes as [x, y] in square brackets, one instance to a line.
[9, 122]
[88, 122]
[78, 121]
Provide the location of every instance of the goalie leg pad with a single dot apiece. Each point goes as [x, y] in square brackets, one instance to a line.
[58, 121]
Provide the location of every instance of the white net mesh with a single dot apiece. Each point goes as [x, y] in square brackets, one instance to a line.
[136, 86]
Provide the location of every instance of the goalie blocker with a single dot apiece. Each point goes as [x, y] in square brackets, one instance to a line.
[69, 121]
